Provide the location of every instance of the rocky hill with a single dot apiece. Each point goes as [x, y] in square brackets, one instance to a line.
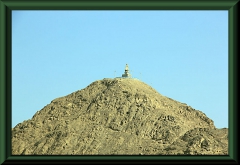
[118, 116]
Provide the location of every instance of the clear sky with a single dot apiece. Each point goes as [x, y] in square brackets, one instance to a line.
[181, 54]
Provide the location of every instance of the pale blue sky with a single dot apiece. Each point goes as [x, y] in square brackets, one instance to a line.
[181, 54]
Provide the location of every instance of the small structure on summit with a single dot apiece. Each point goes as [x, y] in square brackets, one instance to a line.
[126, 73]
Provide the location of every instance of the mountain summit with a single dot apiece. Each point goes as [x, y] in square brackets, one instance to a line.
[118, 116]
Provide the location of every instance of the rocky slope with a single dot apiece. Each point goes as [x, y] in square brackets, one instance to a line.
[118, 116]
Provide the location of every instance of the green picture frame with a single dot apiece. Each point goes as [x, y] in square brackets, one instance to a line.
[6, 7]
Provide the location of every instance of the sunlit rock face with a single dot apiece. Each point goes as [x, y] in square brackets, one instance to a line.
[121, 116]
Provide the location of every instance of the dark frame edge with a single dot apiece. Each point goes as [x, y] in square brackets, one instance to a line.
[120, 4]
[233, 52]
[5, 93]
[3, 51]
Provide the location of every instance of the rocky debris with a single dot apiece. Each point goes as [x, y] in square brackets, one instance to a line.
[118, 116]
[200, 141]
